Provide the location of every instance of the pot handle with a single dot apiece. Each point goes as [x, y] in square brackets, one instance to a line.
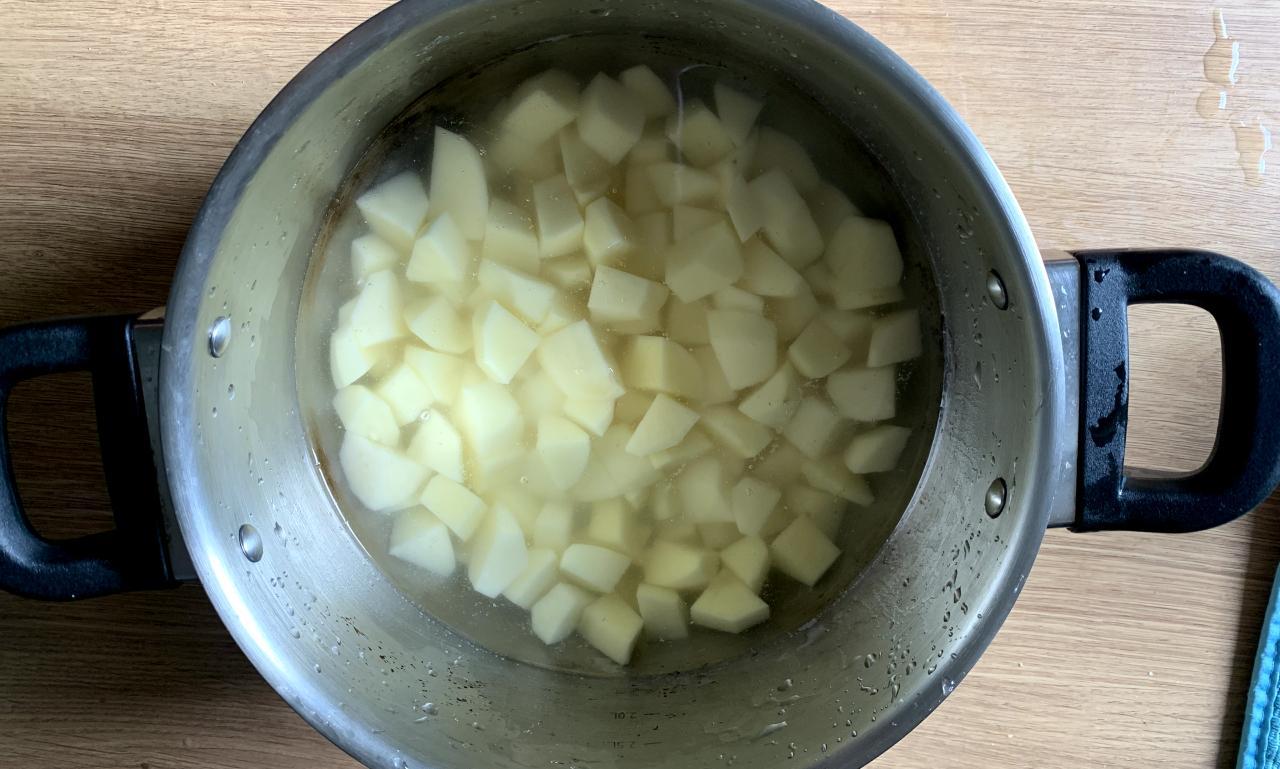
[132, 556]
[1244, 466]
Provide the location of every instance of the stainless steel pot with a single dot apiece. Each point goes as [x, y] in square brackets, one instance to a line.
[1030, 367]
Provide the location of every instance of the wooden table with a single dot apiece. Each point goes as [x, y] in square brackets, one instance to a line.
[1125, 649]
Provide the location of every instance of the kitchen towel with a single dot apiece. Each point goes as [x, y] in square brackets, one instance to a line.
[1260, 743]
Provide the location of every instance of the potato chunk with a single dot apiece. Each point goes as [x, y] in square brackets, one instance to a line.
[363, 413]
[877, 450]
[802, 552]
[438, 446]
[381, 477]
[728, 605]
[746, 345]
[556, 614]
[576, 362]
[704, 262]
[455, 505]
[611, 626]
[664, 612]
[664, 425]
[657, 364]
[609, 121]
[593, 567]
[396, 209]
[419, 538]
[458, 185]
[564, 449]
[502, 342]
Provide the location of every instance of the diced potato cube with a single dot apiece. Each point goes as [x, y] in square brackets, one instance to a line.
[553, 528]
[631, 408]
[704, 491]
[620, 297]
[653, 234]
[377, 315]
[364, 413]
[491, 421]
[564, 449]
[596, 482]
[737, 112]
[698, 134]
[718, 536]
[381, 477]
[745, 209]
[436, 322]
[734, 298]
[568, 272]
[521, 293]
[748, 559]
[615, 526]
[864, 260]
[540, 107]
[675, 183]
[611, 626]
[639, 190]
[593, 415]
[793, 315]
[348, 359]
[575, 360]
[753, 501]
[539, 397]
[502, 342]
[774, 402]
[370, 254]
[665, 613]
[609, 235]
[746, 345]
[653, 95]
[895, 338]
[780, 466]
[824, 509]
[664, 425]
[653, 147]
[695, 444]
[587, 172]
[686, 220]
[396, 209]
[556, 614]
[788, 225]
[419, 538]
[560, 223]
[767, 274]
[818, 351]
[564, 312]
[716, 389]
[860, 300]
[630, 472]
[687, 322]
[877, 450]
[815, 428]
[406, 393]
[853, 328]
[679, 566]
[728, 605]
[831, 475]
[593, 567]
[455, 505]
[742, 436]
[704, 262]
[498, 553]
[664, 502]
[609, 121]
[776, 150]
[442, 256]
[660, 365]
[802, 552]
[441, 373]
[864, 394]
[458, 185]
[679, 531]
[509, 237]
[830, 207]
[540, 573]
[438, 446]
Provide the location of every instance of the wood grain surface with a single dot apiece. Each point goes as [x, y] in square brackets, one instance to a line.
[1125, 649]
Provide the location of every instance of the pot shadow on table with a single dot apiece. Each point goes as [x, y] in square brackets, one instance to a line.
[1262, 560]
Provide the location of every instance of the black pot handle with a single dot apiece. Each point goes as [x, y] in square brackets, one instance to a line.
[1244, 466]
[133, 556]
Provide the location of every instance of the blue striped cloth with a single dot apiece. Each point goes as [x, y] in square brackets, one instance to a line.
[1260, 743]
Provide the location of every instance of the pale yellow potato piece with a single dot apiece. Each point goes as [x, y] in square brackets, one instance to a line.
[728, 605]
[539, 397]
[437, 445]
[686, 220]
[442, 256]
[577, 363]
[748, 559]
[611, 626]
[718, 536]
[593, 415]
[420, 538]
[381, 477]
[538, 109]
[619, 297]
[560, 223]
[825, 510]
[830, 474]
[704, 491]
[639, 190]
[665, 503]
[653, 95]
[695, 444]
[502, 342]
[539, 575]
[609, 119]
[586, 171]
[377, 315]
[687, 322]
[491, 421]
[664, 612]
[370, 254]
[830, 207]
[564, 448]
[631, 407]
[362, 412]
[853, 328]
[593, 567]
[658, 364]
[440, 372]
[775, 150]
[615, 526]
[895, 338]
[734, 298]
[698, 134]
[793, 314]
[565, 311]
[556, 614]
[498, 553]
[664, 425]
[753, 501]
[406, 393]
[348, 359]
[510, 237]
[568, 272]
[676, 183]
[815, 428]
[766, 274]
[678, 531]
[455, 505]
[716, 389]
[630, 473]
[774, 402]
[741, 435]
[396, 209]
[802, 552]
[746, 345]
[458, 184]
[818, 351]
[704, 262]
[864, 394]
[780, 466]
[679, 566]
[818, 276]
[864, 260]
[553, 528]
[519, 292]
[788, 225]
[609, 233]
[877, 450]
[744, 207]
[653, 147]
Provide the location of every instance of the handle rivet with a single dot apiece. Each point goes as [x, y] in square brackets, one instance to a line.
[996, 291]
[997, 496]
[250, 542]
[219, 336]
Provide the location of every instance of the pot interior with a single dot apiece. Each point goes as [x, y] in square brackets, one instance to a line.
[358, 646]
